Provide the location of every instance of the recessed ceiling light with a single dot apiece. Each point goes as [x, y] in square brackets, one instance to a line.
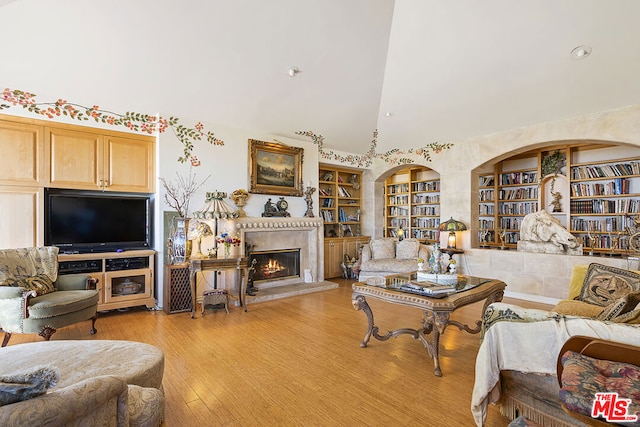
[581, 52]
[293, 71]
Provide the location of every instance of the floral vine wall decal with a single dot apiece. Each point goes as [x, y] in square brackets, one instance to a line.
[394, 156]
[133, 121]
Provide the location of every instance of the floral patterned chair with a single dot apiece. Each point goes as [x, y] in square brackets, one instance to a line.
[35, 299]
[587, 366]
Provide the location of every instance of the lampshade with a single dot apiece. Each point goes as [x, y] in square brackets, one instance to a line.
[215, 207]
[452, 226]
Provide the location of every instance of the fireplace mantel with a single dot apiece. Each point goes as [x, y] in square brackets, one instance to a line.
[286, 233]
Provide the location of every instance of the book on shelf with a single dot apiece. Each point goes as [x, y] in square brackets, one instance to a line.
[328, 176]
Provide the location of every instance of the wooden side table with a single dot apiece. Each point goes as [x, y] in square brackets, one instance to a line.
[241, 264]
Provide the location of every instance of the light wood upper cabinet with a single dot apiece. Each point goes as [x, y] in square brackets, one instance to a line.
[129, 164]
[22, 216]
[92, 161]
[22, 148]
[75, 159]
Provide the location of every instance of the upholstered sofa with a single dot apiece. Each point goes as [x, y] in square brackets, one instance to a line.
[516, 365]
[35, 299]
[101, 383]
[386, 256]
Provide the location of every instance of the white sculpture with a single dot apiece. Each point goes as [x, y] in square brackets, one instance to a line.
[542, 233]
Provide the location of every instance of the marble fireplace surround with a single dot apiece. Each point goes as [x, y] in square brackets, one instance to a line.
[286, 233]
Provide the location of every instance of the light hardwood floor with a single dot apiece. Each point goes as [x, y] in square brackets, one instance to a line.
[298, 362]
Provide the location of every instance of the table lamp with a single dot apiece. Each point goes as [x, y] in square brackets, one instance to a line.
[400, 233]
[452, 226]
[198, 230]
[215, 208]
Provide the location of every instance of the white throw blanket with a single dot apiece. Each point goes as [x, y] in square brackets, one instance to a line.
[532, 344]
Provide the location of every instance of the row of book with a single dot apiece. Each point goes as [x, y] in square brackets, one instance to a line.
[327, 215]
[486, 195]
[487, 224]
[518, 178]
[510, 223]
[517, 208]
[397, 188]
[486, 181]
[327, 203]
[397, 211]
[426, 186]
[487, 209]
[426, 222]
[616, 187]
[399, 222]
[606, 241]
[425, 234]
[519, 193]
[399, 200]
[325, 191]
[603, 206]
[425, 210]
[422, 198]
[615, 223]
[343, 192]
[603, 171]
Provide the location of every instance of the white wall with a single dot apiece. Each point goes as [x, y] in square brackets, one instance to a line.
[227, 167]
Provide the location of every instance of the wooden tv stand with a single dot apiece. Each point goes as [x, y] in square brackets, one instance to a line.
[126, 278]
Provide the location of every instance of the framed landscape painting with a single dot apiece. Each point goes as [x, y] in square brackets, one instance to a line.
[275, 168]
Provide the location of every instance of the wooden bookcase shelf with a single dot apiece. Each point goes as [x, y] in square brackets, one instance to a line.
[599, 188]
[412, 202]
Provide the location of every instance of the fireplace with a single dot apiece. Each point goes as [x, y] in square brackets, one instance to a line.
[276, 265]
[281, 234]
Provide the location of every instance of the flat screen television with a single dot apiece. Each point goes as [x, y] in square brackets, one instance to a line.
[85, 221]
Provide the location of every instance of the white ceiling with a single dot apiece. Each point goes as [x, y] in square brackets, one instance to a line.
[445, 70]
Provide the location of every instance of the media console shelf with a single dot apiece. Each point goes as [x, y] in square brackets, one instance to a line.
[125, 278]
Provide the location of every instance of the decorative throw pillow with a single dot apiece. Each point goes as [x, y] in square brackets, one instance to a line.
[624, 310]
[42, 284]
[383, 249]
[604, 284]
[26, 385]
[407, 249]
[578, 273]
[577, 308]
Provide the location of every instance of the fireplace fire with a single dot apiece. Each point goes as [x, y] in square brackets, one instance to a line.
[276, 265]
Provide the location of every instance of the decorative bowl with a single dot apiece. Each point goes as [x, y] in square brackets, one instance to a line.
[127, 287]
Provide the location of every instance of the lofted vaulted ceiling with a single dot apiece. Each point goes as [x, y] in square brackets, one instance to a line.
[442, 70]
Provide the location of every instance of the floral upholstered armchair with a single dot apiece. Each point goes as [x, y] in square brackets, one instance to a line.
[35, 299]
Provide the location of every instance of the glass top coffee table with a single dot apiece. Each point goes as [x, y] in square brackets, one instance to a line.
[436, 309]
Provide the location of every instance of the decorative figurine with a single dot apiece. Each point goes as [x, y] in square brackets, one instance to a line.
[278, 209]
[307, 198]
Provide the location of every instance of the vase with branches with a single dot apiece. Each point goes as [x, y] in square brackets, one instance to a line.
[178, 195]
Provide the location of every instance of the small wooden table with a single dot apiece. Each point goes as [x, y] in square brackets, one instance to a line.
[436, 311]
[201, 264]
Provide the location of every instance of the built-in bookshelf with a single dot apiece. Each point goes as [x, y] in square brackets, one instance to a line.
[412, 203]
[598, 186]
[517, 196]
[487, 209]
[605, 194]
[339, 199]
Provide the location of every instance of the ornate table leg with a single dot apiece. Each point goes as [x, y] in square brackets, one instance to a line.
[192, 282]
[430, 335]
[360, 303]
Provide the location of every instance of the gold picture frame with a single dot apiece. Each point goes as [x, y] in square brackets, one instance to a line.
[275, 168]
